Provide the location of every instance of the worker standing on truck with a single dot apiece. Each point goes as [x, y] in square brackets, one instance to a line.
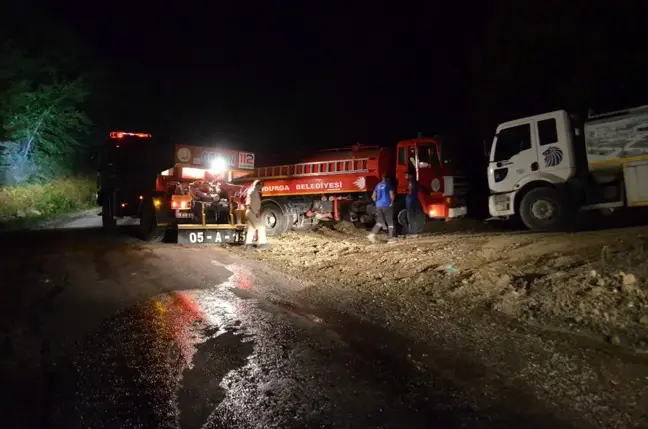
[253, 217]
[384, 196]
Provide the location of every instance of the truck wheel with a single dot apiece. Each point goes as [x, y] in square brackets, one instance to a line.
[276, 223]
[108, 222]
[305, 226]
[148, 229]
[543, 209]
[402, 227]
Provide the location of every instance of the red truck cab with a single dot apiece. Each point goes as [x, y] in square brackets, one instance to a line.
[442, 191]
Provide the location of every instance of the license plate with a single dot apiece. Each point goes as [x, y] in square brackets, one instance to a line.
[183, 215]
[209, 236]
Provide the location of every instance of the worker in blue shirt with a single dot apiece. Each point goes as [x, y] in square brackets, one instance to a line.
[412, 205]
[384, 196]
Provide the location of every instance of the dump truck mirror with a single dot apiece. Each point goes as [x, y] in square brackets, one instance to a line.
[93, 159]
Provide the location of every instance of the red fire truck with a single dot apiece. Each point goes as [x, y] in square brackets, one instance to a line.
[338, 184]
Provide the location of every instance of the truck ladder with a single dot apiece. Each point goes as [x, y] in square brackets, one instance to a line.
[317, 168]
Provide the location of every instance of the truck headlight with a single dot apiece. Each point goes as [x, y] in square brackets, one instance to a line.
[435, 185]
[218, 165]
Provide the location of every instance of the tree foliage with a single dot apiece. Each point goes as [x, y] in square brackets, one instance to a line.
[42, 114]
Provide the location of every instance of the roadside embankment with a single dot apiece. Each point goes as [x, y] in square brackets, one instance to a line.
[21, 205]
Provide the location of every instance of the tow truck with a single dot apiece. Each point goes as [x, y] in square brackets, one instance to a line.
[175, 190]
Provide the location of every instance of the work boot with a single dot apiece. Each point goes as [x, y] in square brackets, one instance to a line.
[248, 247]
[262, 246]
[372, 238]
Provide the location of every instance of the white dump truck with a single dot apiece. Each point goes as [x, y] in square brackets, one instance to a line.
[547, 168]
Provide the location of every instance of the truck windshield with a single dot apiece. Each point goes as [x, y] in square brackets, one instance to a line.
[446, 155]
[511, 141]
[132, 156]
[428, 156]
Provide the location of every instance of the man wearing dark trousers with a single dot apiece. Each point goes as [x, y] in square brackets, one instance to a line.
[412, 206]
[384, 196]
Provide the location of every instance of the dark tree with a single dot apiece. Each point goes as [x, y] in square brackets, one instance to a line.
[44, 90]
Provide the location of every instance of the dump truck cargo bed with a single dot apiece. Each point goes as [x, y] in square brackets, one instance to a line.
[615, 138]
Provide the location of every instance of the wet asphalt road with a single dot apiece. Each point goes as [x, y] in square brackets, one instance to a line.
[109, 332]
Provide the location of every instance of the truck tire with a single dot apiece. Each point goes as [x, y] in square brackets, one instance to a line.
[108, 221]
[401, 222]
[148, 228]
[544, 209]
[306, 225]
[276, 222]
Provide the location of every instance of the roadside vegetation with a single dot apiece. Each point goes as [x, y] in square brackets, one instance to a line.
[46, 89]
[25, 202]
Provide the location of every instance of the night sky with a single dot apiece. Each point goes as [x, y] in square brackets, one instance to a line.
[295, 76]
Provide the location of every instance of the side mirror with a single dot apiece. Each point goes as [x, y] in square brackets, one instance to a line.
[95, 158]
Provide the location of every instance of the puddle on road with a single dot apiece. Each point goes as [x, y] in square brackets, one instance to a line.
[177, 357]
[243, 293]
[367, 339]
[162, 351]
[442, 373]
[200, 389]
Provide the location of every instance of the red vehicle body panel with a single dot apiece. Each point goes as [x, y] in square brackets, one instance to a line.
[357, 169]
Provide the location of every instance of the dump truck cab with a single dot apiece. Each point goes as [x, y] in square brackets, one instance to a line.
[129, 163]
[546, 168]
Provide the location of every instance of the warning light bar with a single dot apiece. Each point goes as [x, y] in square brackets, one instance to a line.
[122, 134]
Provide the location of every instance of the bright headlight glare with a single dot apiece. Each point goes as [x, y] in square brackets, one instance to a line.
[218, 165]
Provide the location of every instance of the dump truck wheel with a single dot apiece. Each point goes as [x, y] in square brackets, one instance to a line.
[148, 228]
[108, 222]
[276, 223]
[543, 209]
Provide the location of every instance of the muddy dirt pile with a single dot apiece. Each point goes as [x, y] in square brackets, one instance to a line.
[593, 282]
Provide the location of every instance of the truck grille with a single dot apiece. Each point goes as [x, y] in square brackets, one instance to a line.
[460, 188]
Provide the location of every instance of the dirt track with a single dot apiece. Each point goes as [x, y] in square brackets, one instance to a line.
[452, 305]
[594, 283]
